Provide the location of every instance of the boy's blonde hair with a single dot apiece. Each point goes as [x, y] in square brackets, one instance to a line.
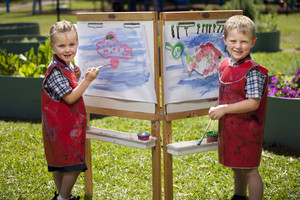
[61, 27]
[242, 23]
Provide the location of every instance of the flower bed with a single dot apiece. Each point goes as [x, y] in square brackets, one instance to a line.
[283, 108]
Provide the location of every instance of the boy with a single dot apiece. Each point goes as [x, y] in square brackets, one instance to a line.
[241, 108]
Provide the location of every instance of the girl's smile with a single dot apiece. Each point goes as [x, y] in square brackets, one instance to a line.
[65, 46]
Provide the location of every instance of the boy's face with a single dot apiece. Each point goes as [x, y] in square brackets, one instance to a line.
[65, 46]
[238, 44]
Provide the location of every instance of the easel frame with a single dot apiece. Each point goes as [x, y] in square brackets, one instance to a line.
[153, 117]
[167, 118]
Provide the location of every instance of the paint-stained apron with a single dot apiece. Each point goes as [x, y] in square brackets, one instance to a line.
[240, 135]
[64, 127]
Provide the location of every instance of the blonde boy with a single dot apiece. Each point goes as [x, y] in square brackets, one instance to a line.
[241, 108]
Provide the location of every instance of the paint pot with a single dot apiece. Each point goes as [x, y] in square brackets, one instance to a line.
[143, 136]
[211, 136]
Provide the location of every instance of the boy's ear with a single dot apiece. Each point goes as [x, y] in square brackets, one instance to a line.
[253, 42]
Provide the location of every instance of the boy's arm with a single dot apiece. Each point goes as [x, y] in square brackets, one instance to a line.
[77, 92]
[247, 105]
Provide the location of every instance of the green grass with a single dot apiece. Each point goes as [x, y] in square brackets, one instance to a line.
[121, 172]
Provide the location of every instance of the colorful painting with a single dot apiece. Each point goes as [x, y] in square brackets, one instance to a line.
[192, 53]
[123, 52]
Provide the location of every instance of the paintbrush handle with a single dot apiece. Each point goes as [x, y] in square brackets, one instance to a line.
[205, 132]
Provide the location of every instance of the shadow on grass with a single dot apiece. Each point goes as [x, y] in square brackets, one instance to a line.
[281, 150]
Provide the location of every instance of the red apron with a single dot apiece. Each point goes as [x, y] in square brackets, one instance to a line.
[64, 127]
[240, 135]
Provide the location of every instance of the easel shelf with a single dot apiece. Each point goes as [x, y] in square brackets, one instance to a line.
[118, 137]
[189, 147]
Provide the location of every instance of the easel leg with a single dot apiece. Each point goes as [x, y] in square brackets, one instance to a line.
[168, 164]
[156, 161]
[88, 179]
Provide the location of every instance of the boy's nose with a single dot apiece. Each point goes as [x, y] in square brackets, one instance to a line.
[238, 45]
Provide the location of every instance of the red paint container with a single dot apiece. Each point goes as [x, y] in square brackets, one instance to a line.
[143, 136]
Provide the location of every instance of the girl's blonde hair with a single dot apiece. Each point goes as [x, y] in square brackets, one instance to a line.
[61, 27]
[242, 23]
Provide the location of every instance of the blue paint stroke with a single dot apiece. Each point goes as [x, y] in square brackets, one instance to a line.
[130, 73]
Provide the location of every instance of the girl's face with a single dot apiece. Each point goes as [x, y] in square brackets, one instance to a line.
[65, 46]
[238, 44]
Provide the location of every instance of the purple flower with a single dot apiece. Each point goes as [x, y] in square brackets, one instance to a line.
[287, 89]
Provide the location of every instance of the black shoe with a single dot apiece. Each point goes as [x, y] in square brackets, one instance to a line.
[237, 197]
[55, 196]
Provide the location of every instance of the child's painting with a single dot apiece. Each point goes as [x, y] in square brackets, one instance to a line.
[192, 52]
[122, 50]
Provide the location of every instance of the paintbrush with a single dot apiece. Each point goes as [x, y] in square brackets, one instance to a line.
[101, 66]
[199, 143]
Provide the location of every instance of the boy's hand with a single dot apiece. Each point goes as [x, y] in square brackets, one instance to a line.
[91, 74]
[217, 112]
[77, 72]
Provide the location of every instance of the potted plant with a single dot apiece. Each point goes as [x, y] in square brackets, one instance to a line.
[21, 78]
[267, 33]
[283, 108]
[17, 28]
[19, 44]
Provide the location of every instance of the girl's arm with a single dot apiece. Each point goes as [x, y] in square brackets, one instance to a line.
[77, 92]
[247, 105]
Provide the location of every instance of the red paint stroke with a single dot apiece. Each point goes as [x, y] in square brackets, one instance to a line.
[205, 60]
[112, 48]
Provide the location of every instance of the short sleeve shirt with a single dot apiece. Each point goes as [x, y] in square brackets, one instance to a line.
[255, 80]
[56, 84]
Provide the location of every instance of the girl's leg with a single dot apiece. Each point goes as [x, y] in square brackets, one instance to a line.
[68, 181]
[240, 182]
[256, 188]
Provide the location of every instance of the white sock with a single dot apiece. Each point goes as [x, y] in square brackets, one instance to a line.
[60, 198]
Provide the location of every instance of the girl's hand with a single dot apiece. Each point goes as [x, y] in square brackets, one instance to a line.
[91, 74]
[77, 72]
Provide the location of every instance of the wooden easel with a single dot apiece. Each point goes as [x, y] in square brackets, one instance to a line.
[128, 109]
[185, 109]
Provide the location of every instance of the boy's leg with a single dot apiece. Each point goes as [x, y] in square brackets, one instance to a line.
[256, 188]
[68, 181]
[58, 177]
[240, 182]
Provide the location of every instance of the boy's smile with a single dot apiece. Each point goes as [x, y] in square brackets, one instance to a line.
[238, 44]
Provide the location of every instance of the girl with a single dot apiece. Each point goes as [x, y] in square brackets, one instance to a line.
[63, 110]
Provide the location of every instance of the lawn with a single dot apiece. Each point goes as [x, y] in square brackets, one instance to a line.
[121, 172]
